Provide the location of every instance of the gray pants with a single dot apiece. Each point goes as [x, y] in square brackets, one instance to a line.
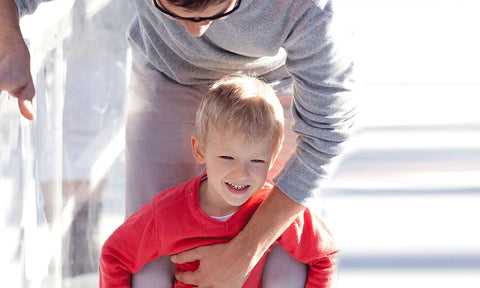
[160, 122]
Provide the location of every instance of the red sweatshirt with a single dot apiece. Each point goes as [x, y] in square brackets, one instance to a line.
[173, 222]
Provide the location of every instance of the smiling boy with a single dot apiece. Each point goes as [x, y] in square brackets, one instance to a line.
[238, 133]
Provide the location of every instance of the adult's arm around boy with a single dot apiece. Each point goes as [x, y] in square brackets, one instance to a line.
[228, 265]
[15, 76]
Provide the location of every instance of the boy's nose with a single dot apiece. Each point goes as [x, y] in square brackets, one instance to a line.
[196, 29]
[242, 171]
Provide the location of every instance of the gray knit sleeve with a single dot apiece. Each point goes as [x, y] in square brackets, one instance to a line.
[320, 61]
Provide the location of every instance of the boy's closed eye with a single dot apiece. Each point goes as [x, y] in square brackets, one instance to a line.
[226, 157]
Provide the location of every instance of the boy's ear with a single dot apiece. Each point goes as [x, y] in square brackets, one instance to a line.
[197, 149]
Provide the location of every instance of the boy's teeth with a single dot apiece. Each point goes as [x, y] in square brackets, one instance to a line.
[237, 187]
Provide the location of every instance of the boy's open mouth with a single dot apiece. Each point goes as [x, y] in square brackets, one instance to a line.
[237, 187]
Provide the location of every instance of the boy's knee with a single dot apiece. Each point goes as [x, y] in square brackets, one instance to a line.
[158, 274]
[282, 270]
[285, 280]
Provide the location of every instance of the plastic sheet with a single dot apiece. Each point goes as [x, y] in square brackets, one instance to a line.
[61, 172]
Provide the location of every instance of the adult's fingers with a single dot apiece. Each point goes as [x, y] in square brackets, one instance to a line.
[25, 96]
[186, 256]
[187, 277]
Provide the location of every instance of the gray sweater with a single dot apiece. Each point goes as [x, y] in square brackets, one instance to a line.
[273, 39]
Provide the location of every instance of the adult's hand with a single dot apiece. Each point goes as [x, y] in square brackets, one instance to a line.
[228, 265]
[221, 266]
[15, 76]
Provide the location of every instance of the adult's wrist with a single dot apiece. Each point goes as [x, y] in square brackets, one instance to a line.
[270, 220]
[10, 33]
[9, 15]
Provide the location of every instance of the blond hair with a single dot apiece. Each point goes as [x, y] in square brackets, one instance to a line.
[242, 104]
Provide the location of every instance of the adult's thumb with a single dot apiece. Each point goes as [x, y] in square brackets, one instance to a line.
[25, 104]
[184, 257]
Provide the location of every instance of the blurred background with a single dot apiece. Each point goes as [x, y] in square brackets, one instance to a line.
[403, 204]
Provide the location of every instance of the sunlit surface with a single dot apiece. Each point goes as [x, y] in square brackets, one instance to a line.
[403, 204]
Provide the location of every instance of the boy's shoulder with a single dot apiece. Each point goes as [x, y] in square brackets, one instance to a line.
[260, 195]
[263, 192]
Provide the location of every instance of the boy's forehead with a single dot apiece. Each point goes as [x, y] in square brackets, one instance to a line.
[233, 136]
[228, 134]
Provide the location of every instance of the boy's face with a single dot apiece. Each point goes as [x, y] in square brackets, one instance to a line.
[236, 169]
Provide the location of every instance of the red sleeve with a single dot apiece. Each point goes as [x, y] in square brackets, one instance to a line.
[129, 247]
[309, 241]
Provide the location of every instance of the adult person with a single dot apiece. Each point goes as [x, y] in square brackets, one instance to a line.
[179, 47]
